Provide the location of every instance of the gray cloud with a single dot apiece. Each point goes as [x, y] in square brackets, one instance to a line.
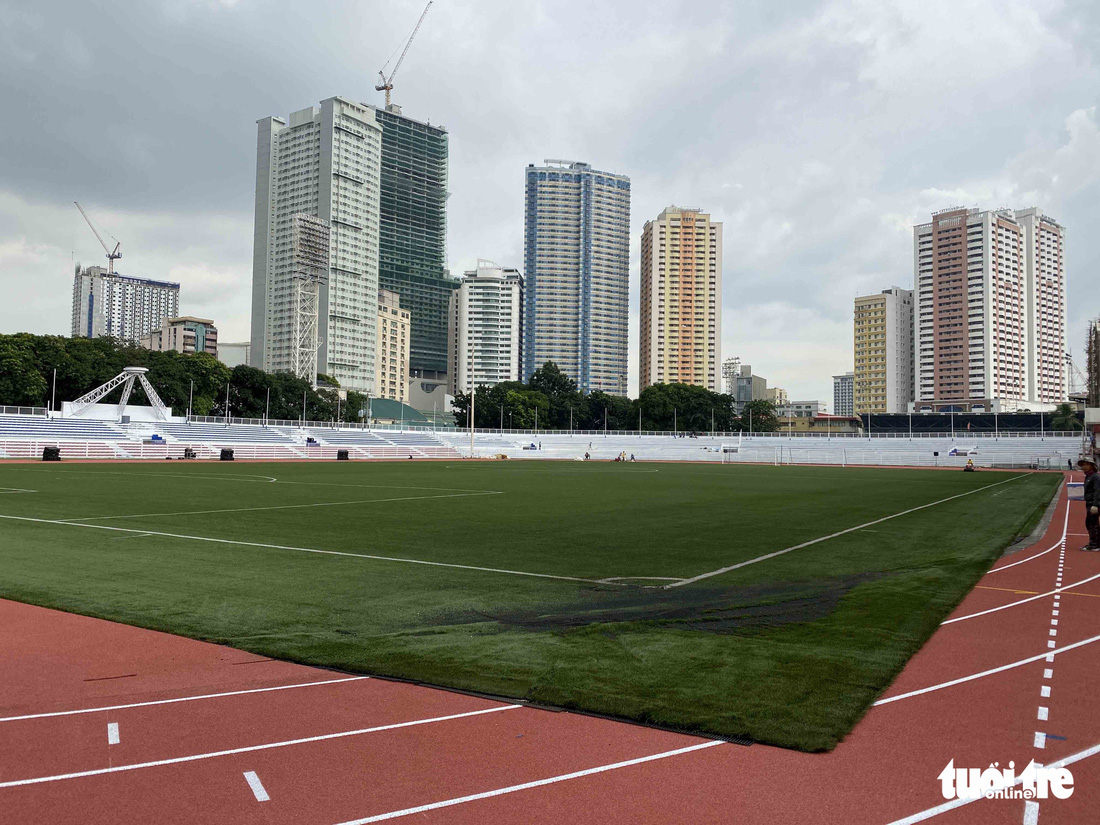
[819, 132]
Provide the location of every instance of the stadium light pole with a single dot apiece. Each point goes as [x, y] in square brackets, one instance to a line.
[502, 418]
[639, 420]
[227, 412]
[605, 421]
[675, 426]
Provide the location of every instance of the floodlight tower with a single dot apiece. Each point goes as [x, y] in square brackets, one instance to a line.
[310, 240]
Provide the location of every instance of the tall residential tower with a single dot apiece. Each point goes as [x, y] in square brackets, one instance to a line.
[991, 310]
[109, 304]
[681, 300]
[323, 162]
[486, 328]
[577, 262]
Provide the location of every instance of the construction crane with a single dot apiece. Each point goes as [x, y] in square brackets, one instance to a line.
[387, 82]
[111, 254]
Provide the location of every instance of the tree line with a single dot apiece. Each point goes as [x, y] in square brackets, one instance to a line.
[551, 401]
[27, 364]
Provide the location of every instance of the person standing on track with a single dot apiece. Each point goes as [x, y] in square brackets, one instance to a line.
[1092, 503]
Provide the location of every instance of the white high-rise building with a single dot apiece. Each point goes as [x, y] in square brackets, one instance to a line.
[681, 300]
[991, 310]
[844, 393]
[324, 162]
[485, 333]
[109, 304]
[577, 269]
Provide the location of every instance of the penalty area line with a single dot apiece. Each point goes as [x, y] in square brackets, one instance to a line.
[238, 543]
[785, 550]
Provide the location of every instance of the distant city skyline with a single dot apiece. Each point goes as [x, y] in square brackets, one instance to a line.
[815, 139]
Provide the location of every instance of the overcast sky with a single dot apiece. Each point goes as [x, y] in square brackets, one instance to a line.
[819, 132]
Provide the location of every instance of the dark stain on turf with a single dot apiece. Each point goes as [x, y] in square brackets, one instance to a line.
[707, 609]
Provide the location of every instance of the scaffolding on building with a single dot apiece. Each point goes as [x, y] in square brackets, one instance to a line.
[310, 254]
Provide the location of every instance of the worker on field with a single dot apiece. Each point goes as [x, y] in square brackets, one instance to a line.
[1092, 503]
[969, 468]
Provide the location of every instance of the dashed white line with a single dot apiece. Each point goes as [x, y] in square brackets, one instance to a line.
[257, 786]
[251, 748]
[181, 699]
[112, 733]
[1044, 714]
[1048, 673]
[1048, 656]
[1031, 813]
[1040, 740]
[1044, 691]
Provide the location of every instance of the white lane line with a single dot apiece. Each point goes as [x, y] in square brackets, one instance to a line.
[305, 549]
[538, 783]
[1040, 740]
[1048, 656]
[1065, 526]
[1048, 673]
[82, 519]
[1055, 591]
[252, 748]
[1044, 692]
[958, 803]
[180, 699]
[1054, 622]
[767, 556]
[1044, 714]
[257, 786]
[1031, 813]
[112, 733]
[1053, 632]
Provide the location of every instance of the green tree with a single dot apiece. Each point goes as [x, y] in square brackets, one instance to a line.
[760, 416]
[20, 381]
[1065, 419]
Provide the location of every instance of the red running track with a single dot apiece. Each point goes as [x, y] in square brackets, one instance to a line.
[103, 723]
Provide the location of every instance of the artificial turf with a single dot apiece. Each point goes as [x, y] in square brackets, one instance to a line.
[790, 651]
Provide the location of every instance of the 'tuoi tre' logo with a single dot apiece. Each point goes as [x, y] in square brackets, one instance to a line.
[1036, 782]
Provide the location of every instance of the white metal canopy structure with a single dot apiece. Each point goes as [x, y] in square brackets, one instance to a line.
[124, 379]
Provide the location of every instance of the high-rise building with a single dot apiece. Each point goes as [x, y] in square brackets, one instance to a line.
[114, 305]
[184, 334]
[413, 235]
[844, 394]
[323, 162]
[1092, 355]
[883, 377]
[991, 310]
[394, 335]
[577, 264]
[681, 300]
[486, 327]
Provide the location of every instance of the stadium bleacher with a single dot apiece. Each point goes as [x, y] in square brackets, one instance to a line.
[25, 436]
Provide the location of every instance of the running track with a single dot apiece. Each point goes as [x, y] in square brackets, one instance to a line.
[336, 749]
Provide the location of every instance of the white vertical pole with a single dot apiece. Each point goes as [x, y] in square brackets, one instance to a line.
[267, 407]
[472, 388]
[53, 394]
[190, 399]
[227, 412]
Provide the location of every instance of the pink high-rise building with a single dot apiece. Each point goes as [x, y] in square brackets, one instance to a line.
[990, 327]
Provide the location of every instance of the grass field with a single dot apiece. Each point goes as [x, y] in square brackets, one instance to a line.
[789, 650]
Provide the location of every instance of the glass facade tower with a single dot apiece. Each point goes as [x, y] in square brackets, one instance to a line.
[413, 233]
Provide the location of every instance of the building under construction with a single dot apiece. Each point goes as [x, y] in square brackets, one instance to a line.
[412, 242]
[1092, 347]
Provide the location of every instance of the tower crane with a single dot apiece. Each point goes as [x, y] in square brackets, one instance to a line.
[386, 84]
[111, 254]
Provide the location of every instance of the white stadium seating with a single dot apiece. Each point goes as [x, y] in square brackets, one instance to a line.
[25, 435]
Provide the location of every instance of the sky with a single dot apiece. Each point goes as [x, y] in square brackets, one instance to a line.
[819, 133]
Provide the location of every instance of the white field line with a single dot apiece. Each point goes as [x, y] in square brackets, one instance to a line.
[180, 699]
[5, 490]
[1058, 541]
[538, 783]
[252, 748]
[282, 506]
[1053, 592]
[767, 556]
[1048, 656]
[958, 803]
[301, 549]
